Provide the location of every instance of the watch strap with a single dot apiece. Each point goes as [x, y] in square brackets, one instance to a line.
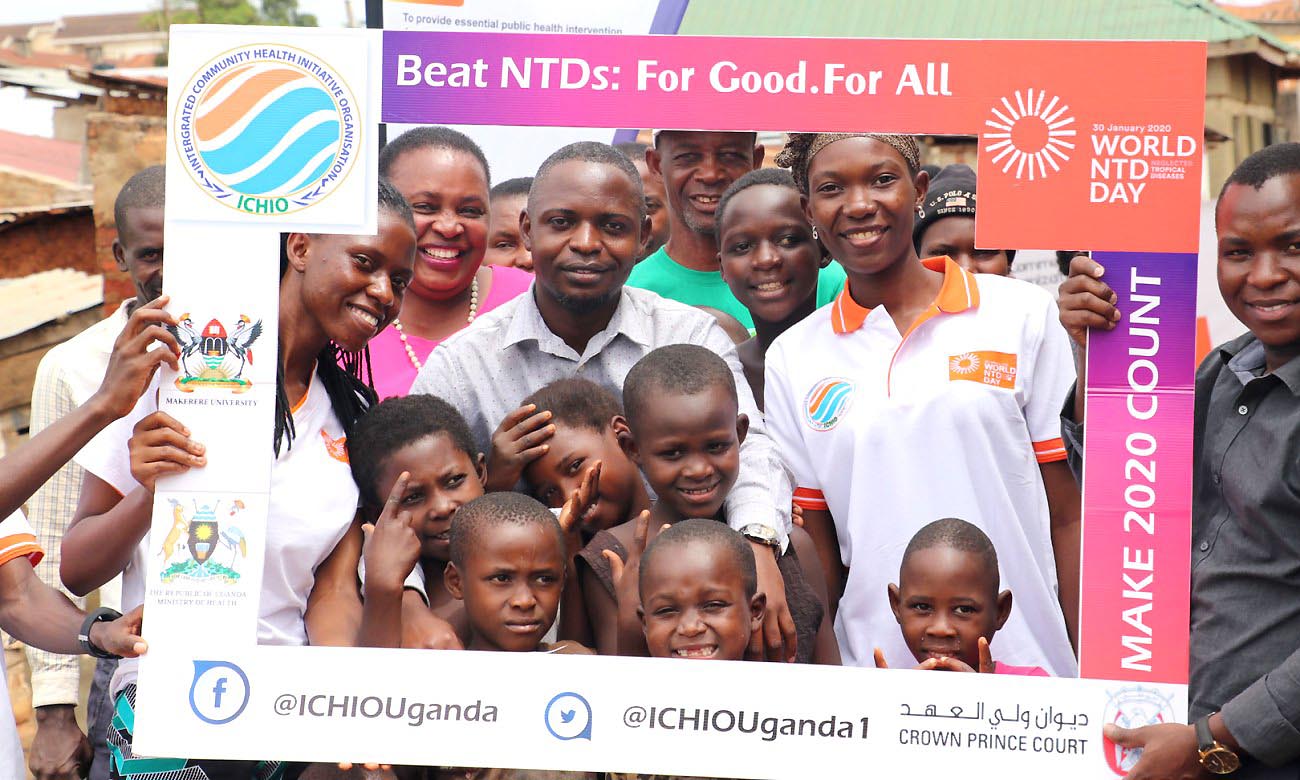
[101, 615]
[1204, 737]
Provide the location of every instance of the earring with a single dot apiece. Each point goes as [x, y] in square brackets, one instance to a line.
[814, 232]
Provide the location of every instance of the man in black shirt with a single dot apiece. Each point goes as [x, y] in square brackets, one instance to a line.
[1245, 612]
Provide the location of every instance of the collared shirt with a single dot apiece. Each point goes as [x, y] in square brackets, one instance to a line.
[487, 369]
[1245, 619]
[66, 378]
[954, 418]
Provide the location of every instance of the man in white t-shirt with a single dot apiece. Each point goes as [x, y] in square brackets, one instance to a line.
[67, 376]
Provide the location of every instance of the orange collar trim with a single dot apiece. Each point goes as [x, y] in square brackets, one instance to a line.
[957, 294]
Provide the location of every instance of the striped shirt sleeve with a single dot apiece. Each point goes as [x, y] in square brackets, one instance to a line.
[56, 678]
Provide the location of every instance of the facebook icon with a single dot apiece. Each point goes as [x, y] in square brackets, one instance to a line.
[219, 692]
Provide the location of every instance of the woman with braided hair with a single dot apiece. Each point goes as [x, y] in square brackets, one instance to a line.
[922, 392]
[336, 293]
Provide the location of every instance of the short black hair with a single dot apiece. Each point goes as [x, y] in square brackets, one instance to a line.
[955, 534]
[144, 190]
[578, 402]
[677, 369]
[776, 177]
[753, 134]
[593, 152]
[731, 546]
[1268, 163]
[393, 424]
[633, 151]
[429, 137]
[473, 521]
[520, 185]
[392, 201]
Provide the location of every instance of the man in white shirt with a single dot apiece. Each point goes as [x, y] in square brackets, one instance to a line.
[585, 225]
[67, 376]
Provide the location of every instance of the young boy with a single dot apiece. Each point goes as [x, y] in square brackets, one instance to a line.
[505, 246]
[656, 201]
[1245, 613]
[423, 437]
[588, 422]
[947, 601]
[684, 431]
[945, 225]
[699, 593]
[508, 567]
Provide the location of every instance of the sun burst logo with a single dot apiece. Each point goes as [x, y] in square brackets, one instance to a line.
[1030, 135]
[968, 363]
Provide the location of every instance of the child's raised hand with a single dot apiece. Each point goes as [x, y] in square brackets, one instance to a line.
[121, 636]
[950, 664]
[625, 575]
[519, 440]
[133, 362]
[1086, 301]
[574, 512]
[160, 445]
[392, 547]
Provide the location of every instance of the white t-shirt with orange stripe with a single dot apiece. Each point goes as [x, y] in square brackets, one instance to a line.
[312, 504]
[17, 540]
[890, 432]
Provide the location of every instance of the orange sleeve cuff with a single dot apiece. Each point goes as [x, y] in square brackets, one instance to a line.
[808, 498]
[19, 545]
[1049, 451]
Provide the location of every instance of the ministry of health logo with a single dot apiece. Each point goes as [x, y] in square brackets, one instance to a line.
[1031, 135]
[267, 129]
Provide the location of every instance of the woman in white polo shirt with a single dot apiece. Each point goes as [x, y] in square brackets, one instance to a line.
[336, 293]
[922, 392]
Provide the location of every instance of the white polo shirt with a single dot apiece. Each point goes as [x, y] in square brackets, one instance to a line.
[890, 432]
[312, 504]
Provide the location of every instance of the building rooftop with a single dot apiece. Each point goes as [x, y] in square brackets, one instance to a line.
[45, 157]
[1006, 19]
[100, 26]
[43, 297]
[1275, 12]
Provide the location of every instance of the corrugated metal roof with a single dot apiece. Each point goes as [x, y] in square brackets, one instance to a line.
[1013, 19]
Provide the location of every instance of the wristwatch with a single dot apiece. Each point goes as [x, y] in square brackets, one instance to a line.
[763, 534]
[1215, 757]
[101, 615]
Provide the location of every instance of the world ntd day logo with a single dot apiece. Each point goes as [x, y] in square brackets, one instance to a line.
[267, 129]
[1032, 134]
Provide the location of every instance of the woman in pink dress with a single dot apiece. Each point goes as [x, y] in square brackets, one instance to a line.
[445, 177]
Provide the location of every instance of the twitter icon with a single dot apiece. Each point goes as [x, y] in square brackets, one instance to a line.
[568, 716]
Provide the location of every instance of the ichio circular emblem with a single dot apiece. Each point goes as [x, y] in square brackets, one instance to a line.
[267, 129]
[826, 403]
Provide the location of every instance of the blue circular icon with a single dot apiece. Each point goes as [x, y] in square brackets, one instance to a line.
[219, 692]
[568, 716]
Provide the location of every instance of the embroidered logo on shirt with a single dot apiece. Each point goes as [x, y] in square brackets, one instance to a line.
[990, 368]
[827, 402]
[337, 448]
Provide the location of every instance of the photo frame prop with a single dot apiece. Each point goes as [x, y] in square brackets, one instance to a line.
[1092, 145]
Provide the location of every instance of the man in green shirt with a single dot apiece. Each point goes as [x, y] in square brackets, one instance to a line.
[697, 167]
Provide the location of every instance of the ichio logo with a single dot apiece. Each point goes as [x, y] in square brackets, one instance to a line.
[1133, 708]
[826, 403]
[219, 692]
[1029, 135]
[267, 129]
